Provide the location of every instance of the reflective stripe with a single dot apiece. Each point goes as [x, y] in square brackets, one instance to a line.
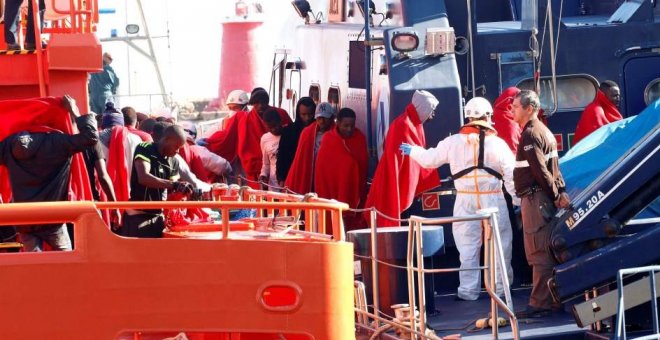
[524, 164]
[143, 157]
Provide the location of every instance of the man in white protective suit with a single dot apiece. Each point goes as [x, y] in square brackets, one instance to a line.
[479, 162]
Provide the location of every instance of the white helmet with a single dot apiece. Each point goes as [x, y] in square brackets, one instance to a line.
[239, 97]
[478, 107]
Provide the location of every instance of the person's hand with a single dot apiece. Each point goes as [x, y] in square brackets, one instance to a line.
[183, 187]
[405, 149]
[115, 217]
[563, 201]
[70, 105]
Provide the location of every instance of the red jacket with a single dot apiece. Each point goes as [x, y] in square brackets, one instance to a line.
[600, 112]
[398, 179]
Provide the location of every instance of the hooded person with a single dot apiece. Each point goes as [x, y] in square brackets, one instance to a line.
[118, 147]
[602, 111]
[506, 127]
[343, 151]
[41, 160]
[286, 151]
[301, 175]
[397, 180]
[480, 162]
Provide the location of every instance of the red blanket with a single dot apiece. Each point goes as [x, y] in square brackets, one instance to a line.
[299, 179]
[145, 137]
[600, 112]
[506, 127]
[40, 115]
[242, 138]
[192, 157]
[341, 168]
[223, 142]
[117, 167]
[249, 146]
[397, 179]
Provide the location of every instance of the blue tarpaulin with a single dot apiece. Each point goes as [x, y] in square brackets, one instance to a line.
[588, 159]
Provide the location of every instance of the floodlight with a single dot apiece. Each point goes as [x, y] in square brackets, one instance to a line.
[132, 29]
[303, 8]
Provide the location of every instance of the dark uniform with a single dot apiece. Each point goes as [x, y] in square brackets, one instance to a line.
[149, 223]
[538, 183]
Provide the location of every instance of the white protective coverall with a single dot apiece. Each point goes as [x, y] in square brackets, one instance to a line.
[476, 190]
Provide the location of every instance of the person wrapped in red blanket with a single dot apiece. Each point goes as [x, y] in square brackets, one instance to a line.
[343, 151]
[397, 180]
[242, 136]
[602, 111]
[41, 160]
[301, 174]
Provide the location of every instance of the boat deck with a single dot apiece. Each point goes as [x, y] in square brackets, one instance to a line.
[459, 317]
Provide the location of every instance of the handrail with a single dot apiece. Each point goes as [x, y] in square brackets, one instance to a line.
[36, 22]
[620, 330]
[492, 255]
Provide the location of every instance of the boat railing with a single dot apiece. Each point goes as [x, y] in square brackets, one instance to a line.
[493, 256]
[319, 213]
[620, 332]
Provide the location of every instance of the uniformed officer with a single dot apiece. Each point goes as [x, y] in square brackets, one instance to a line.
[540, 185]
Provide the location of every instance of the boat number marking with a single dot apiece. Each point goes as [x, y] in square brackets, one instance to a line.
[581, 211]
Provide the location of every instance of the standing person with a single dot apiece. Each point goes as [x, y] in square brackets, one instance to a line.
[270, 143]
[118, 146]
[480, 162]
[131, 122]
[503, 122]
[103, 85]
[45, 164]
[540, 185]
[155, 172]
[12, 16]
[602, 111]
[305, 109]
[259, 100]
[301, 175]
[341, 167]
[397, 180]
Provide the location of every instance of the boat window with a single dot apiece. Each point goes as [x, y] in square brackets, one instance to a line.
[334, 97]
[573, 92]
[356, 71]
[315, 92]
[652, 92]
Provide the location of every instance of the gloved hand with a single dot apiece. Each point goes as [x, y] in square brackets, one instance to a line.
[516, 210]
[405, 149]
[202, 142]
[183, 187]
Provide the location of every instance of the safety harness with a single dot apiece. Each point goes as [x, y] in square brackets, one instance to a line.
[480, 161]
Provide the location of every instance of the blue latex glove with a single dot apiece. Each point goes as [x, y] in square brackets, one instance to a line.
[202, 142]
[516, 210]
[405, 149]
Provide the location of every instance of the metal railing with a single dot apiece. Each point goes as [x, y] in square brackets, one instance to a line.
[493, 255]
[620, 331]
